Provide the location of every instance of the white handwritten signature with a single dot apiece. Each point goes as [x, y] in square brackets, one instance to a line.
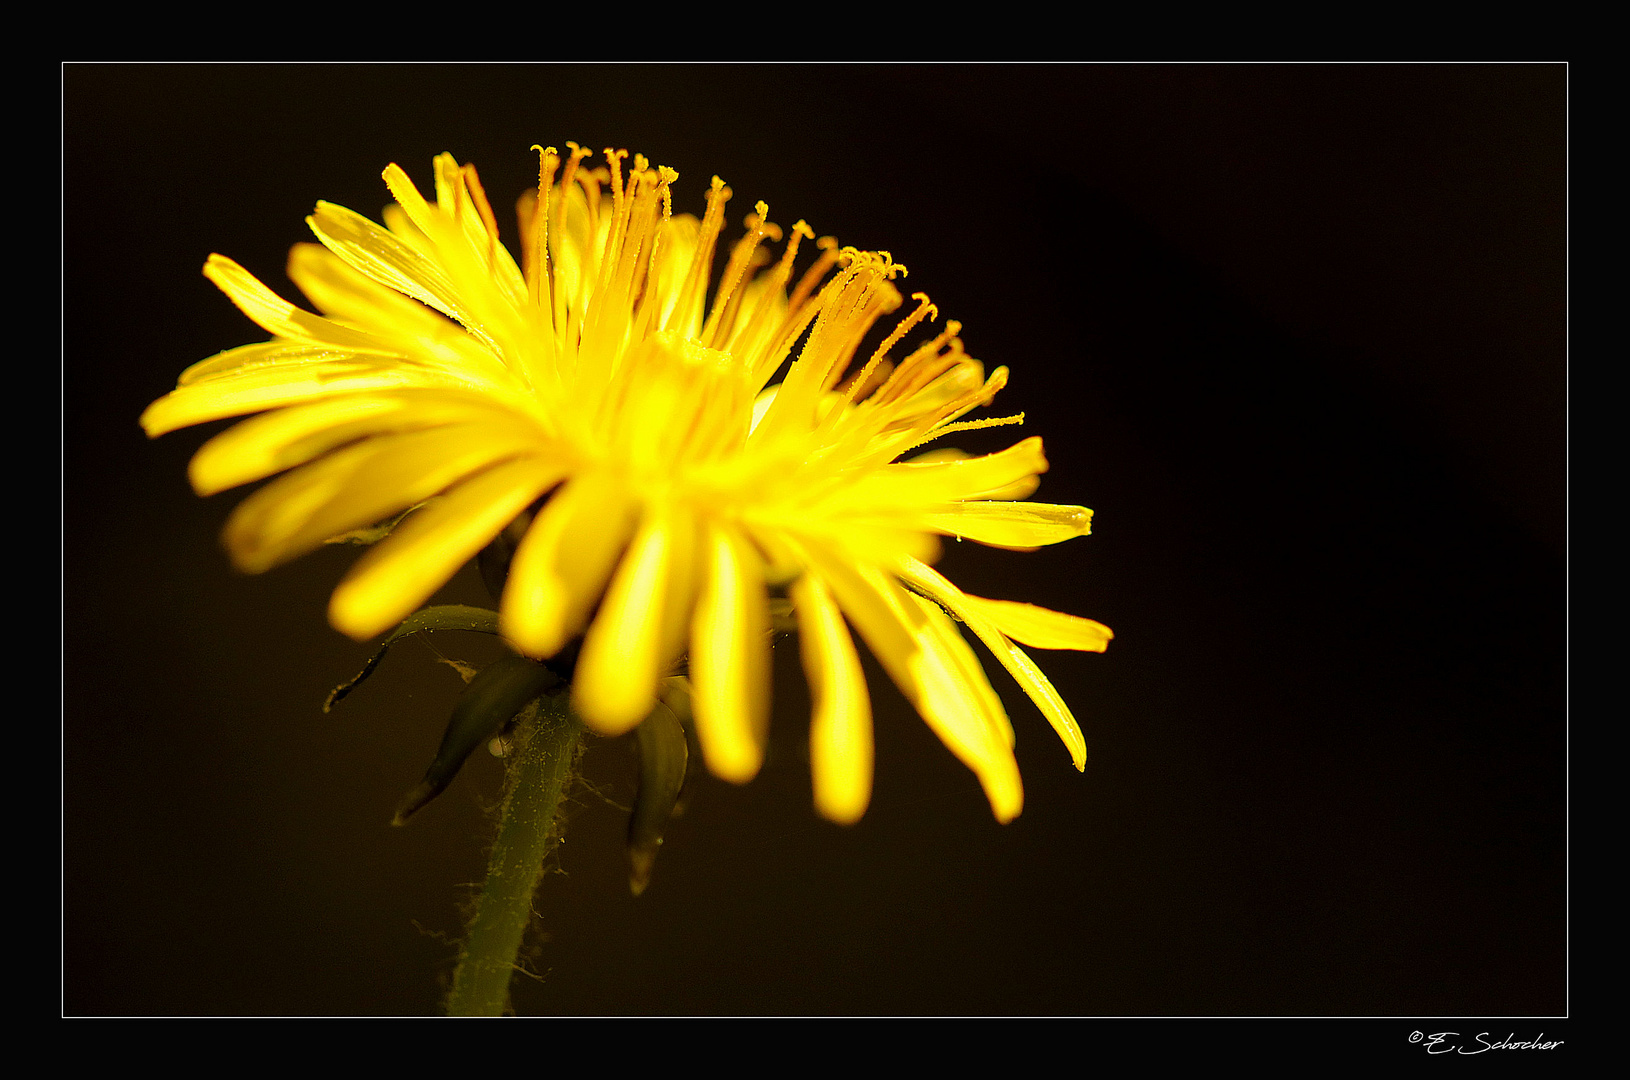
[1444, 1043]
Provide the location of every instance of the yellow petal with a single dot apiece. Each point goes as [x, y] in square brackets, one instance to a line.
[857, 540]
[876, 607]
[563, 563]
[386, 258]
[676, 242]
[615, 683]
[341, 292]
[1041, 628]
[971, 611]
[730, 658]
[965, 712]
[572, 246]
[258, 448]
[970, 478]
[419, 557]
[936, 671]
[1020, 525]
[464, 231]
[313, 375]
[261, 354]
[407, 197]
[360, 486]
[280, 317]
[1019, 488]
[673, 610]
[840, 728]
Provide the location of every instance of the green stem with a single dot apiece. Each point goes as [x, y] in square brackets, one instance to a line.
[545, 748]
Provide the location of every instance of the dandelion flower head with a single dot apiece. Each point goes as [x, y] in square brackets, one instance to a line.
[679, 486]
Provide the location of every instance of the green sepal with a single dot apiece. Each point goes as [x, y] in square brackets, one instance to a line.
[664, 755]
[499, 691]
[494, 559]
[783, 619]
[441, 617]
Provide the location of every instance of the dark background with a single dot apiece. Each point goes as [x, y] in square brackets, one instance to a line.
[1297, 334]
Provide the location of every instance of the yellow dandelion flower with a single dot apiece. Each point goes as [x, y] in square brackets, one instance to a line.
[678, 486]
